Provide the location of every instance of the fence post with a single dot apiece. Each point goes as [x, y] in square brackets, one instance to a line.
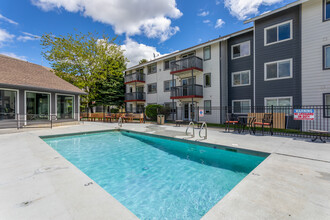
[51, 122]
[17, 115]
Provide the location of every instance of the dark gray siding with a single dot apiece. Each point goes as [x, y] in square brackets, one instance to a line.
[279, 51]
[240, 64]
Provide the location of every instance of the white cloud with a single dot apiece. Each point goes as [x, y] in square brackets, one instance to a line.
[152, 18]
[8, 20]
[203, 13]
[206, 21]
[14, 56]
[5, 36]
[136, 52]
[241, 9]
[27, 36]
[217, 2]
[219, 23]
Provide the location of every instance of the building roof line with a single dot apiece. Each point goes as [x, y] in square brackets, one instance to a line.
[276, 11]
[223, 38]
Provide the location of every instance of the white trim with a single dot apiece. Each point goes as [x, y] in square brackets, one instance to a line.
[277, 25]
[239, 44]
[78, 107]
[178, 53]
[50, 101]
[74, 104]
[277, 62]
[276, 11]
[277, 98]
[240, 100]
[240, 72]
[17, 99]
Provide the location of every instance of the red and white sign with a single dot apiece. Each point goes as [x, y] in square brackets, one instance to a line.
[304, 114]
[201, 112]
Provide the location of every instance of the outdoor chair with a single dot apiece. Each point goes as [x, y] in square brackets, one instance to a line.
[266, 121]
[231, 120]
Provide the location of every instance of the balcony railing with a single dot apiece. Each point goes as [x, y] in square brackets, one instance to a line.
[187, 91]
[135, 77]
[135, 96]
[187, 63]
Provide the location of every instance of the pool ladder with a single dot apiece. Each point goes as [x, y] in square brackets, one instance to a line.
[120, 122]
[193, 127]
[204, 125]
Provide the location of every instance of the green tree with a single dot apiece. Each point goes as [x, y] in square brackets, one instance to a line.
[143, 61]
[84, 60]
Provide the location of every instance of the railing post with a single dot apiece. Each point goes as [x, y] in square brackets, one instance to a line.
[51, 122]
[17, 115]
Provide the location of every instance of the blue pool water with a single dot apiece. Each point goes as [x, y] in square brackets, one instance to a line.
[153, 177]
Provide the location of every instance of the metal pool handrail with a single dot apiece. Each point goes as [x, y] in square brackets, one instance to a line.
[200, 130]
[193, 127]
[120, 122]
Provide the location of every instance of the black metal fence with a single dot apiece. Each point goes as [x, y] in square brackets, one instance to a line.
[20, 121]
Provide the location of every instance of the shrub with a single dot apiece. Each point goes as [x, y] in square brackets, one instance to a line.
[114, 110]
[153, 110]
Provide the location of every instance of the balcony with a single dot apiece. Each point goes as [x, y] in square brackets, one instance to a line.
[135, 97]
[187, 92]
[135, 78]
[185, 65]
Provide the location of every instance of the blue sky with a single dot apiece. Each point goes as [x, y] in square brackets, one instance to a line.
[143, 27]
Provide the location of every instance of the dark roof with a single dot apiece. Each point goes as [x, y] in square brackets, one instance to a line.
[21, 73]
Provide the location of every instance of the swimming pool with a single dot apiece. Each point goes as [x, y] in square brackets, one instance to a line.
[156, 178]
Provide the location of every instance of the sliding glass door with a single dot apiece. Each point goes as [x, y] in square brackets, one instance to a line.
[65, 109]
[8, 104]
[37, 105]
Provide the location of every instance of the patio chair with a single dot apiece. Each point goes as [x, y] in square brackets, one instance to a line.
[266, 121]
[231, 120]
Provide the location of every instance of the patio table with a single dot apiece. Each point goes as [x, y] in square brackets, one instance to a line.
[245, 121]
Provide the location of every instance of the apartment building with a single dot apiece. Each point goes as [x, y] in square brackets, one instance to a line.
[283, 60]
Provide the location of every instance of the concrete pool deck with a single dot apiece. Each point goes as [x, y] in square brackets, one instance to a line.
[38, 183]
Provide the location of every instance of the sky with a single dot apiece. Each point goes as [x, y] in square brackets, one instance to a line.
[143, 27]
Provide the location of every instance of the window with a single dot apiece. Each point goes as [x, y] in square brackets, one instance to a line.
[326, 10]
[188, 54]
[65, 107]
[326, 104]
[241, 106]
[7, 104]
[241, 78]
[326, 55]
[278, 33]
[37, 105]
[207, 80]
[152, 68]
[152, 88]
[171, 106]
[207, 107]
[281, 69]
[168, 85]
[207, 53]
[281, 104]
[167, 63]
[240, 50]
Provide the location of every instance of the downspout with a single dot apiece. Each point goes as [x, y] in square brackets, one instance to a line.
[254, 65]
[220, 85]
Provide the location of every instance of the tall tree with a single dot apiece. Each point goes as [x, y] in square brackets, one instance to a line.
[143, 61]
[84, 60]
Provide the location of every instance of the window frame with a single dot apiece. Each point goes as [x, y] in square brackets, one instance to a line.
[204, 53]
[277, 62]
[239, 44]
[148, 88]
[280, 97]
[210, 112]
[170, 86]
[169, 63]
[204, 81]
[73, 103]
[324, 99]
[154, 64]
[17, 95]
[325, 11]
[240, 100]
[324, 57]
[240, 72]
[277, 25]
[172, 106]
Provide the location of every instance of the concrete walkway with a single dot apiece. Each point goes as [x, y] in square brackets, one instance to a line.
[38, 183]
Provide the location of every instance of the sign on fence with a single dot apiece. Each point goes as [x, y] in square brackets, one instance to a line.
[304, 114]
[201, 112]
